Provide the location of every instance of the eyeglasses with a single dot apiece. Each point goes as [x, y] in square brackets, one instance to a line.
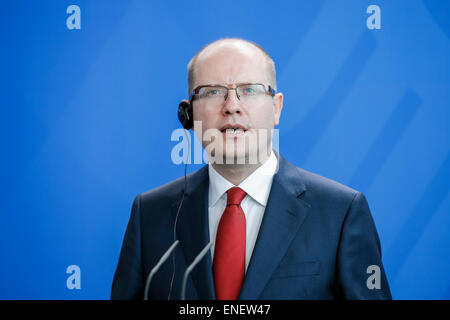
[217, 94]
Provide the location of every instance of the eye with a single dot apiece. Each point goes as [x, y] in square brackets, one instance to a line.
[211, 92]
[249, 90]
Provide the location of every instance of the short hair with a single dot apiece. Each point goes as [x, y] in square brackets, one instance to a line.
[270, 64]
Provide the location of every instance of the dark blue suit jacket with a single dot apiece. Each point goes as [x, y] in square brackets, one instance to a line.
[316, 241]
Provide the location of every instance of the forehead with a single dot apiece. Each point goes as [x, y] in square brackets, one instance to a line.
[228, 63]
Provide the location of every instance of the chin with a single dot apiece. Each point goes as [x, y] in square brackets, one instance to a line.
[241, 156]
[238, 150]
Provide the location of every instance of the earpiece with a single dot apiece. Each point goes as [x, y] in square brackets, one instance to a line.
[185, 114]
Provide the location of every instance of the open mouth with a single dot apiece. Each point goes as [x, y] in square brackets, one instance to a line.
[233, 129]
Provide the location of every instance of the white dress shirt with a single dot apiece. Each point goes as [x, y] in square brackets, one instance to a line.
[257, 186]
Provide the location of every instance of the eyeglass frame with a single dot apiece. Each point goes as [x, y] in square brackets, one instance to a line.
[270, 92]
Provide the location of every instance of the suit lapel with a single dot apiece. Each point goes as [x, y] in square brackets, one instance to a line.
[284, 214]
[193, 232]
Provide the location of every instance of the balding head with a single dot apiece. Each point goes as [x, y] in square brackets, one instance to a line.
[227, 47]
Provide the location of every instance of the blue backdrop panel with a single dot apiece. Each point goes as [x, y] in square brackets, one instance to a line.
[86, 118]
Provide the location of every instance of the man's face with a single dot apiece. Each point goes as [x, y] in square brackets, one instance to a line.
[236, 64]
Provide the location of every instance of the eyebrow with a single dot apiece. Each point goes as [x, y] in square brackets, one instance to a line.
[225, 85]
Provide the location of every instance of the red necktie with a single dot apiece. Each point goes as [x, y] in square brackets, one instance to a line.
[229, 252]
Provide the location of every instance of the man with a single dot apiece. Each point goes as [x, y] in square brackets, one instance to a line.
[277, 231]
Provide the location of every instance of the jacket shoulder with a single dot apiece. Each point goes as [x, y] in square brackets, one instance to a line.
[323, 185]
[172, 191]
[166, 192]
[312, 183]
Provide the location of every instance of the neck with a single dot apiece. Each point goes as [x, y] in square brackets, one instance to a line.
[236, 173]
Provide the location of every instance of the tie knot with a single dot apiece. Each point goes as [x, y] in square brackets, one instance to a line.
[235, 196]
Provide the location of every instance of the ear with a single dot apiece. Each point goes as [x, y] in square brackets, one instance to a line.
[277, 106]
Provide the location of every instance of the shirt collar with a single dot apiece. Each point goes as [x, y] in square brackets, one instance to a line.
[257, 185]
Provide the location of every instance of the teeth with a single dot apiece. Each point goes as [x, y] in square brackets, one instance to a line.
[234, 130]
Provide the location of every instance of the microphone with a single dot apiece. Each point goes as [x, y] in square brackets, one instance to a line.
[166, 255]
[197, 259]
[155, 269]
[178, 212]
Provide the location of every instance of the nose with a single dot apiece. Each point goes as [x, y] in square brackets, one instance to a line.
[232, 103]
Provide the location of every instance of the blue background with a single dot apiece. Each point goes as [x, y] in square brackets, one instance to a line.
[86, 118]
